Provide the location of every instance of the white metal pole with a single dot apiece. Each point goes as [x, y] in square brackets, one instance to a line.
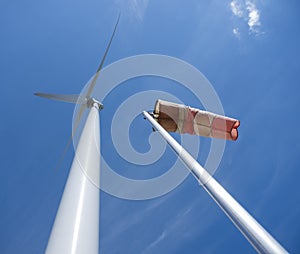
[260, 239]
[76, 226]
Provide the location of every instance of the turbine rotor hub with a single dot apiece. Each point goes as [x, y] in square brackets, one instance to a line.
[91, 102]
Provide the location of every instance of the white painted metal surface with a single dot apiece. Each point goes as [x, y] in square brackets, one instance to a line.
[259, 238]
[76, 226]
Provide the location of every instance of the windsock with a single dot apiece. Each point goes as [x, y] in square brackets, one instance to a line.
[184, 119]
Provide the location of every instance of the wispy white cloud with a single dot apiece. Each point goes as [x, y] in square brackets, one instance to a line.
[247, 11]
[254, 15]
[236, 8]
[160, 238]
[236, 32]
[134, 8]
[139, 7]
[175, 229]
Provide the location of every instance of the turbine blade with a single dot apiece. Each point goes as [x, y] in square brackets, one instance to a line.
[64, 152]
[93, 82]
[71, 98]
[88, 94]
[78, 117]
[76, 123]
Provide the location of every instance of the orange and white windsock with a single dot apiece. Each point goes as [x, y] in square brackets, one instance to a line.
[184, 119]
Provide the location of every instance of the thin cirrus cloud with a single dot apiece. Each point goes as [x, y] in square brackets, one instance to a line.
[135, 9]
[236, 32]
[236, 8]
[247, 11]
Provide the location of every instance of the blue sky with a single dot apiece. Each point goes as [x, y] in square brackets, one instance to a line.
[249, 50]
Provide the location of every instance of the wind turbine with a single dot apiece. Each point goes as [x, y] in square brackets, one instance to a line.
[76, 226]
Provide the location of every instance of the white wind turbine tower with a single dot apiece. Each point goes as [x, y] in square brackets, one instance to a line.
[76, 226]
